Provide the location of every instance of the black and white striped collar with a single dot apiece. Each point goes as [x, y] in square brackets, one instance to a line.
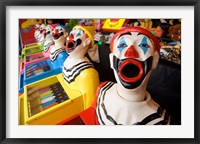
[46, 46]
[55, 52]
[104, 116]
[71, 73]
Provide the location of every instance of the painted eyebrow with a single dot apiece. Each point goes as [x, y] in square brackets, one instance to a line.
[142, 34]
[128, 33]
[81, 31]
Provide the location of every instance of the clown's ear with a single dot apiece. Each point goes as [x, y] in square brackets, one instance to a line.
[155, 60]
[111, 60]
[87, 42]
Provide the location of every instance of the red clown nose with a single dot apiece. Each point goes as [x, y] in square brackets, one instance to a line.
[131, 52]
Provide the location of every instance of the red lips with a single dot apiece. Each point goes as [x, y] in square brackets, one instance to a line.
[45, 33]
[70, 45]
[130, 71]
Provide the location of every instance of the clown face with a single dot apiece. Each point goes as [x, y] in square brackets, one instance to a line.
[132, 57]
[41, 31]
[48, 32]
[37, 30]
[77, 41]
[59, 34]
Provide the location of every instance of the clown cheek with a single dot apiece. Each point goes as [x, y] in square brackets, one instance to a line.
[62, 39]
[111, 60]
[86, 43]
[155, 60]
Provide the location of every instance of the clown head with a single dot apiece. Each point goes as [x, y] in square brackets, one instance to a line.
[48, 36]
[37, 30]
[48, 32]
[40, 37]
[59, 34]
[81, 38]
[134, 54]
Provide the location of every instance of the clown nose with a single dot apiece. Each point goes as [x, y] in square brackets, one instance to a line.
[56, 31]
[71, 36]
[131, 52]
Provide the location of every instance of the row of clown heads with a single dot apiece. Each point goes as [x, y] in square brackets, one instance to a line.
[134, 54]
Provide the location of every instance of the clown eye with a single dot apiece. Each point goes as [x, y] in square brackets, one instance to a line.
[144, 45]
[122, 45]
[78, 34]
[60, 29]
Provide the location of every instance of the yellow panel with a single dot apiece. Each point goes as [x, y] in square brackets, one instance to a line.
[55, 114]
[113, 24]
[32, 45]
[21, 112]
[30, 22]
[72, 93]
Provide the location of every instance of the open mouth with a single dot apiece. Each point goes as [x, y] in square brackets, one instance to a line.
[45, 35]
[71, 45]
[130, 70]
[57, 35]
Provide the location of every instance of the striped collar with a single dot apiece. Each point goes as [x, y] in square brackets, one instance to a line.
[111, 109]
[70, 74]
[46, 46]
[55, 52]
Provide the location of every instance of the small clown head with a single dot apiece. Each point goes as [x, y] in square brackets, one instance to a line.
[48, 31]
[60, 33]
[37, 30]
[81, 38]
[134, 54]
[37, 26]
[42, 28]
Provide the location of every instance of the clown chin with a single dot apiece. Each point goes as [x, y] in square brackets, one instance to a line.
[131, 72]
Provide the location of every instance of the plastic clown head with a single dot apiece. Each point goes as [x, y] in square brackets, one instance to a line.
[48, 32]
[41, 33]
[81, 38]
[37, 30]
[134, 54]
[59, 34]
[48, 35]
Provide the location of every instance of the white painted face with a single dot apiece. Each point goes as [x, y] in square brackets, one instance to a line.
[41, 31]
[59, 34]
[77, 41]
[37, 30]
[132, 58]
[133, 45]
[48, 32]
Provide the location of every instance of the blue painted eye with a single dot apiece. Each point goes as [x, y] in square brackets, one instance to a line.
[122, 44]
[143, 45]
[60, 29]
[78, 34]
